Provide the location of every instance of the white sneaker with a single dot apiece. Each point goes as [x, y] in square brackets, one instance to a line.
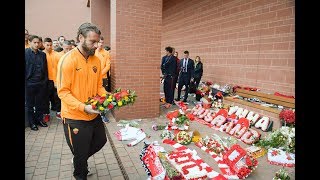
[89, 172]
[89, 169]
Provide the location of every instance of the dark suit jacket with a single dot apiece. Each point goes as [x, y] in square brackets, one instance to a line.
[190, 67]
[198, 70]
[169, 65]
[31, 61]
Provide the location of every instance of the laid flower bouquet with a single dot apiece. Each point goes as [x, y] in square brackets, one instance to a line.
[282, 174]
[283, 138]
[178, 120]
[107, 102]
[171, 171]
[287, 116]
[183, 137]
[240, 161]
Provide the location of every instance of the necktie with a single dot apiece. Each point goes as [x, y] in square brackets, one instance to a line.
[185, 65]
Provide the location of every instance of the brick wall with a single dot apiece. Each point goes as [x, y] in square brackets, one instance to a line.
[243, 42]
[135, 51]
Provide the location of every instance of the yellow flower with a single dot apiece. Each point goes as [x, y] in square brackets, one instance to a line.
[110, 97]
[126, 98]
[101, 108]
[103, 95]
[109, 100]
[94, 102]
[119, 103]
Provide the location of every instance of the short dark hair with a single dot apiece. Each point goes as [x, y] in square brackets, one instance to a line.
[72, 42]
[85, 28]
[186, 52]
[169, 49]
[61, 37]
[67, 42]
[47, 39]
[31, 37]
[107, 48]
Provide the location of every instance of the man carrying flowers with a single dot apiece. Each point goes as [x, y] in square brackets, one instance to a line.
[79, 77]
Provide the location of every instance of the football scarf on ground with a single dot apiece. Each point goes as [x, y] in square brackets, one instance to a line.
[189, 164]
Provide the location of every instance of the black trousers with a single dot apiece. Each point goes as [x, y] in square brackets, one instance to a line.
[84, 138]
[175, 80]
[197, 80]
[105, 84]
[35, 106]
[184, 79]
[168, 88]
[109, 81]
[53, 97]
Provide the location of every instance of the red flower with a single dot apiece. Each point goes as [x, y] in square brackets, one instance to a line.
[101, 99]
[198, 92]
[288, 116]
[117, 96]
[110, 106]
[274, 152]
[209, 83]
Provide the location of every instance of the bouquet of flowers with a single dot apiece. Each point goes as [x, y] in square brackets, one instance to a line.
[282, 174]
[283, 138]
[177, 120]
[171, 171]
[287, 116]
[240, 161]
[107, 102]
[213, 145]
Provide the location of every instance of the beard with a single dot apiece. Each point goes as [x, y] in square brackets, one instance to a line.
[90, 52]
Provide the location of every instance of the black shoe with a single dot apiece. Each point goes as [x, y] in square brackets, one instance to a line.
[34, 127]
[184, 100]
[177, 99]
[43, 124]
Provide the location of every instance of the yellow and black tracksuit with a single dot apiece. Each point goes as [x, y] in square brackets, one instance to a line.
[52, 62]
[104, 57]
[77, 80]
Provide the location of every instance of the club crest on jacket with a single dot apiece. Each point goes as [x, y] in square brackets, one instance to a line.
[94, 68]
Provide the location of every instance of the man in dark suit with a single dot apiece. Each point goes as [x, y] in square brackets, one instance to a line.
[36, 83]
[168, 69]
[185, 75]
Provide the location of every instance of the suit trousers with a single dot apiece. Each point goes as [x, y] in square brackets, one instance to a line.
[168, 88]
[35, 104]
[184, 80]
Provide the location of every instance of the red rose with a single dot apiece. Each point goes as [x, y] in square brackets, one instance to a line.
[110, 106]
[101, 99]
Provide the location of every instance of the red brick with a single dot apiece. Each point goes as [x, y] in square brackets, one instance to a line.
[285, 12]
[291, 62]
[281, 46]
[279, 62]
[290, 77]
[283, 29]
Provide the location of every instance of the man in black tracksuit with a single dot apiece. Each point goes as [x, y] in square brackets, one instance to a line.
[168, 69]
[36, 80]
